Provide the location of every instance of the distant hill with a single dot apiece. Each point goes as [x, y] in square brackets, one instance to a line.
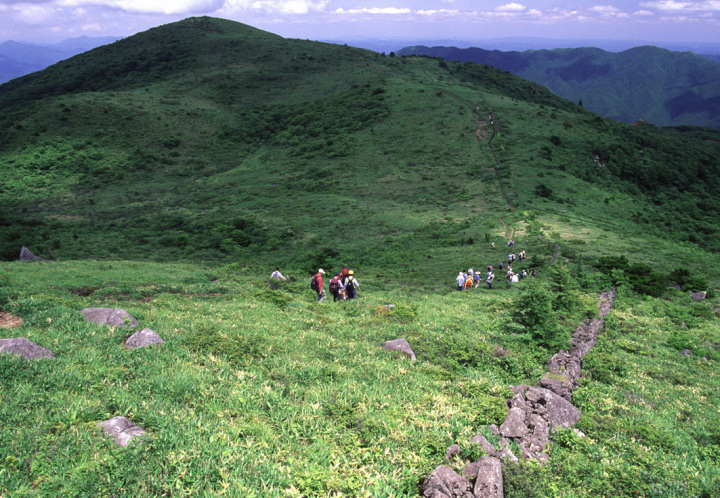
[659, 86]
[18, 59]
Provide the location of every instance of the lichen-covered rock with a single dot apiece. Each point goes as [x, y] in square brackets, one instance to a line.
[541, 432]
[121, 429]
[506, 454]
[143, 338]
[110, 316]
[400, 345]
[559, 387]
[444, 482]
[514, 425]
[24, 347]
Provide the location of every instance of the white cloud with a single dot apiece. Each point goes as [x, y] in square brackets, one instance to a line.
[374, 10]
[151, 6]
[643, 13]
[605, 9]
[511, 7]
[683, 6]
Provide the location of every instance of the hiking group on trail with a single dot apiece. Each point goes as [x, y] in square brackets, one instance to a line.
[471, 279]
[342, 286]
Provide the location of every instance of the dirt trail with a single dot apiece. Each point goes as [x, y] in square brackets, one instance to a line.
[8, 321]
[493, 121]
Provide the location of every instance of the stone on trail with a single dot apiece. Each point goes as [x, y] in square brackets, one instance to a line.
[444, 482]
[698, 296]
[400, 345]
[24, 347]
[142, 338]
[109, 316]
[686, 352]
[121, 429]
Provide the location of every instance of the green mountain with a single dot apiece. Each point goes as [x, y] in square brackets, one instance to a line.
[649, 83]
[170, 172]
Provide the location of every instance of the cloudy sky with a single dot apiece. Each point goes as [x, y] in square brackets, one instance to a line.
[43, 21]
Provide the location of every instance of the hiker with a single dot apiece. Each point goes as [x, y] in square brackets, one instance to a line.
[492, 245]
[489, 268]
[501, 266]
[489, 279]
[509, 275]
[276, 274]
[344, 272]
[460, 281]
[317, 285]
[476, 279]
[514, 279]
[468, 282]
[351, 285]
[335, 287]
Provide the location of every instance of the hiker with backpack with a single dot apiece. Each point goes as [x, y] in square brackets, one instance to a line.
[336, 287]
[489, 279]
[276, 274]
[351, 285]
[317, 285]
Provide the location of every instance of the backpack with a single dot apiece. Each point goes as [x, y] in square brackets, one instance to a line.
[314, 283]
[334, 285]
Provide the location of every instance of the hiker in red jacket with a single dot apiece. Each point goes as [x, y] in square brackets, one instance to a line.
[335, 287]
[317, 285]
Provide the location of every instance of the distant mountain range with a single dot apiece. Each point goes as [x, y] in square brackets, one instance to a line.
[653, 84]
[18, 59]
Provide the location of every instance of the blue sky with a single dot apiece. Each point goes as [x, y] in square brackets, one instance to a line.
[43, 21]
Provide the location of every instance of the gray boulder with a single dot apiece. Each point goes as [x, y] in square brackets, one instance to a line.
[514, 425]
[24, 347]
[444, 482]
[686, 352]
[400, 345]
[121, 429]
[489, 481]
[452, 450]
[110, 316]
[484, 444]
[506, 454]
[142, 338]
[26, 255]
[558, 411]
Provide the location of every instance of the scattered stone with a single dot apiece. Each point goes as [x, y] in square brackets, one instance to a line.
[578, 432]
[444, 482]
[518, 401]
[540, 428]
[452, 450]
[542, 458]
[24, 347]
[494, 430]
[400, 345]
[489, 482]
[8, 321]
[389, 307]
[514, 425]
[26, 255]
[686, 352]
[121, 429]
[559, 387]
[110, 316]
[675, 286]
[484, 443]
[145, 337]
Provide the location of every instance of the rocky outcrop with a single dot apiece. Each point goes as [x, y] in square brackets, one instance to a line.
[24, 347]
[533, 413]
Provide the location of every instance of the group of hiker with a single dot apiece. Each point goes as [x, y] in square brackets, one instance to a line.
[471, 279]
[342, 286]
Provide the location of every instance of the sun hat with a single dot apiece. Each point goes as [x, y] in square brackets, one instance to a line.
[321, 270]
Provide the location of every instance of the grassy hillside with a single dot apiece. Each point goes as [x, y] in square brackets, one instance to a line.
[169, 172]
[210, 140]
[650, 83]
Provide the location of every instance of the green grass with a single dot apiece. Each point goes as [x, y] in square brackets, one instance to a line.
[260, 390]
